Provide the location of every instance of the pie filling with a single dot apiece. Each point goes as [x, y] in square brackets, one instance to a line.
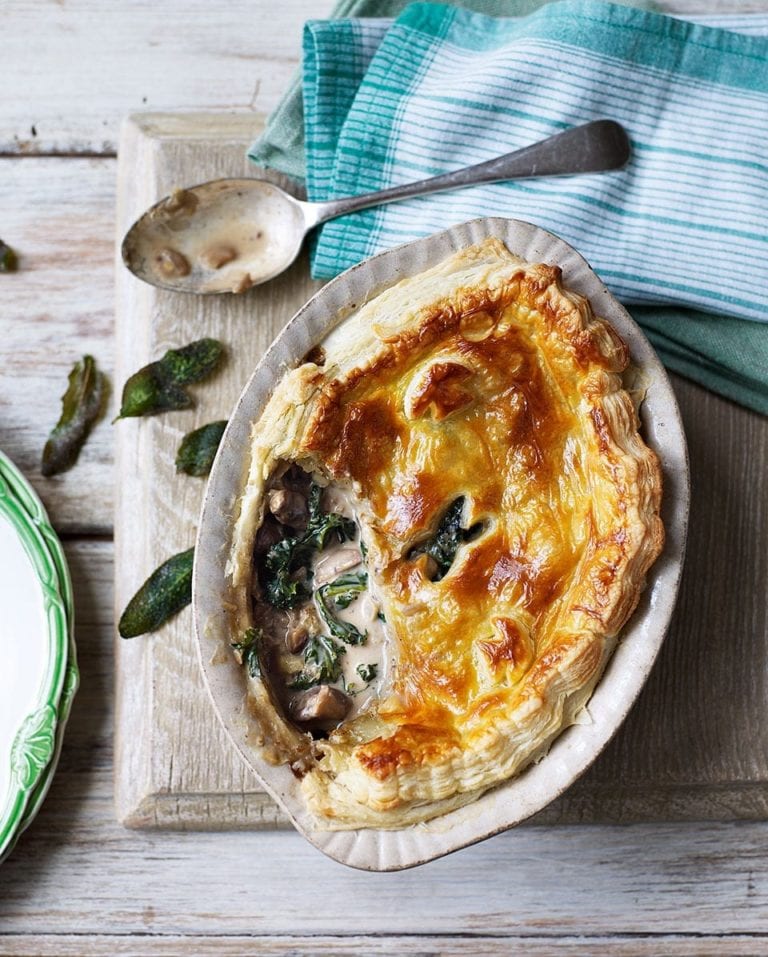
[319, 623]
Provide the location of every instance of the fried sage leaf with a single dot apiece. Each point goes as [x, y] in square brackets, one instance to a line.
[198, 449]
[159, 386]
[9, 261]
[81, 406]
[163, 594]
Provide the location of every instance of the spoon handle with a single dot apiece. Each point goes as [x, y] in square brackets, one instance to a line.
[591, 148]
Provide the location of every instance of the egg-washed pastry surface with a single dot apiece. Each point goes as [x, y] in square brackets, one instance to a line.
[448, 517]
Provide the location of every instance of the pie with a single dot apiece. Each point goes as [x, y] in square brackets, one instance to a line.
[448, 517]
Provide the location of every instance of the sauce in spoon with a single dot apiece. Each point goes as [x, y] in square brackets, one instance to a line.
[224, 236]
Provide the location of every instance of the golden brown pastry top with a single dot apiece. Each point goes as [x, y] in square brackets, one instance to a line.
[485, 381]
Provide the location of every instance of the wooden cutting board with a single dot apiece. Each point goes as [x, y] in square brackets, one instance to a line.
[695, 745]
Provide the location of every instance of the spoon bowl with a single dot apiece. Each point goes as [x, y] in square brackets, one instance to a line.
[227, 235]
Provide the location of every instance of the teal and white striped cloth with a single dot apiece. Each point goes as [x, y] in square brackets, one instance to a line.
[680, 235]
[685, 222]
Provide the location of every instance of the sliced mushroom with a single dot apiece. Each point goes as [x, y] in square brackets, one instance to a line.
[320, 706]
[335, 563]
[242, 284]
[296, 637]
[171, 263]
[302, 623]
[181, 199]
[288, 507]
[218, 255]
[269, 534]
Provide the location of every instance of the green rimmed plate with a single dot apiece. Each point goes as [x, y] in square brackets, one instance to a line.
[35, 685]
[25, 494]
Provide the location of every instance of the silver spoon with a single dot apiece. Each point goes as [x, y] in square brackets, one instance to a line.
[230, 234]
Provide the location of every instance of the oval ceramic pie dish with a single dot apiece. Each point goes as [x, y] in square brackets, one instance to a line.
[459, 462]
[37, 681]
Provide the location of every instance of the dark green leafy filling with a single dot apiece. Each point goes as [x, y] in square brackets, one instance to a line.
[340, 593]
[345, 589]
[325, 528]
[367, 672]
[450, 534]
[285, 576]
[322, 663]
[283, 587]
[249, 649]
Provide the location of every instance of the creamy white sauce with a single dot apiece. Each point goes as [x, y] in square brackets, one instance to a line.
[257, 221]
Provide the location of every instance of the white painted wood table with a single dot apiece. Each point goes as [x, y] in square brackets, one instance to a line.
[78, 882]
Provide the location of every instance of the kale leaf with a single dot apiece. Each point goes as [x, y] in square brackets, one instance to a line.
[322, 663]
[325, 527]
[446, 540]
[281, 588]
[248, 650]
[284, 559]
[345, 589]
[367, 672]
[341, 592]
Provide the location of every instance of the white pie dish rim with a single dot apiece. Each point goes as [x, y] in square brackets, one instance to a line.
[576, 747]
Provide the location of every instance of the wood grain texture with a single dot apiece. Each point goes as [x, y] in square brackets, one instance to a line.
[466, 946]
[79, 66]
[59, 305]
[78, 882]
[692, 748]
[175, 765]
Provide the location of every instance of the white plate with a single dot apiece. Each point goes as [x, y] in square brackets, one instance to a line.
[576, 748]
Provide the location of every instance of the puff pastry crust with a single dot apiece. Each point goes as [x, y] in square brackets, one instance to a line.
[482, 378]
